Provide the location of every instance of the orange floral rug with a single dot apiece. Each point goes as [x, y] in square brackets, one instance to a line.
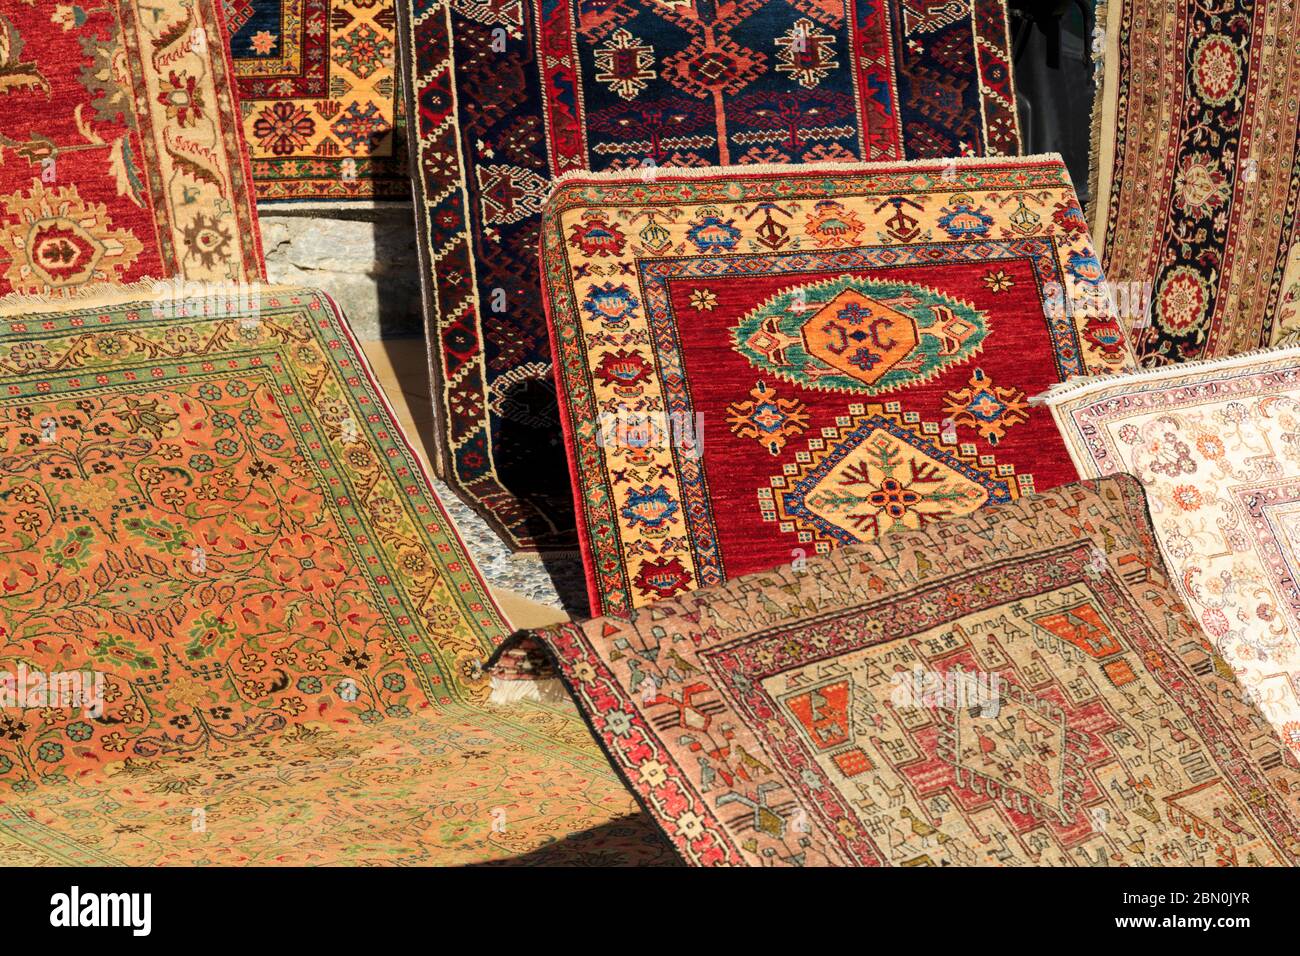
[120, 151]
[206, 505]
[234, 613]
[460, 786]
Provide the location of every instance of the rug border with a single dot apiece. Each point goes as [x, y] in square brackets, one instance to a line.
[442, 457]
[231, 89]
[1132, 500]
[408, 77]
[116, 295]
[312, 196]
[1103, 129]
[541, 635]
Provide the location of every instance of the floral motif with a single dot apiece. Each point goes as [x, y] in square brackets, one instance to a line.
[56, 241]
[964, 219]
[596, 236]
[1216, 69]
[1182, 300]
[1216, 453]
[998, 281]
[704, 300]
[650, 510]
[1200, 188]
[769, 419]
[181, 97]
[361, 127]
[172, 523]
[15, 72]
[1213, 109]
[709, 232]
[612, 304]
[208, 240]
[284, 128]
[363, 51]
[99, 180]
[989, 409]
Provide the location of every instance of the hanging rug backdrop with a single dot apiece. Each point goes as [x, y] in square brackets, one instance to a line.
[1016, 687]
[757, 366]
[1196, 173]
[318, 91]
[505, 97]
[1217, 447]
[120, 153]
[208, 503]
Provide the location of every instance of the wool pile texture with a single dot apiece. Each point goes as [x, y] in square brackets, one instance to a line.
[759, 366]
[1217, 448]
[317, 85]
[1196, 173]
[120, 152]
[224, 563]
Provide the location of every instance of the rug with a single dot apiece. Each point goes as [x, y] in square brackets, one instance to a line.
[212, 529]
[317, 87]
[760, 366]
[506, 96]
[445, 788]
[1017, 687]
[120, 152]
[1197, 173]
[1217, 448]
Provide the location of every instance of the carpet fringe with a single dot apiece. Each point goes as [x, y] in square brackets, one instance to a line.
[506, 693]
[674, 173]
[143, 290]
[1101, 69]
[1058, 393]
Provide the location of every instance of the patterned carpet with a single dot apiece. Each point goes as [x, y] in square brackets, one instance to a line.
[506, 97]
[1217, 448]
[758, 366]
[1196, 173]
[1016, 687]
[317, 87]
[233, 614]
[453, 787]
[120, 155]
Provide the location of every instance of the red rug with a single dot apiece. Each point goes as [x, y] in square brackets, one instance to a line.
[120, 151]
[757, 366]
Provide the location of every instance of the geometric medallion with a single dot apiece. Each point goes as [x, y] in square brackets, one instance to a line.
[876, 472]
[859, 335]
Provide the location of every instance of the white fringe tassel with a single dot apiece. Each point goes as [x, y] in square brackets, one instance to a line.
[508, 692]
